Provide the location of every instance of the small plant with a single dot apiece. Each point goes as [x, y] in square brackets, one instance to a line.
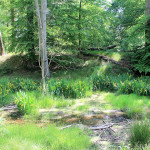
[83, 107]
[25, 102]
[140, 133]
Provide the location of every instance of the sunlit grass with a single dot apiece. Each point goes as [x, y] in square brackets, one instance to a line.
[29, 137]
[133, 104]
[83, 107]
[49, 101]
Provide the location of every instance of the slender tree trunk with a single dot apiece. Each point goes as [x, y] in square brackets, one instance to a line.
[2, 49]
[147, 31]
[79, 27]
[42, 40]
[43, 20]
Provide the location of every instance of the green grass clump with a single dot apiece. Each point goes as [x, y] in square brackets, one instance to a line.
[25, 102]
[69, 88]
[29, 137]
[49, 101]
[140, 133]
[83, 107]
[133, 104]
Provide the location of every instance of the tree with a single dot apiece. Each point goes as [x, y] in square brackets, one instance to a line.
[42, 40]
[2, 49]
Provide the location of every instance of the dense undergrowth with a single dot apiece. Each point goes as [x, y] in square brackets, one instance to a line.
[59, 89]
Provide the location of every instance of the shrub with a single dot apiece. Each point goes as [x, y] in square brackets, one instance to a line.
[68, 89]
[25, 102]
[7, 87]
[134, 86]
[140, 133]
[23, 84]
[101, 82]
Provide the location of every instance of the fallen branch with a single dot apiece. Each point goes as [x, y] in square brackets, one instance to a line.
[106, 126]
[67, 126]
[109, 47]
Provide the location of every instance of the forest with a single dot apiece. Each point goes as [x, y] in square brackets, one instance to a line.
[74, 74]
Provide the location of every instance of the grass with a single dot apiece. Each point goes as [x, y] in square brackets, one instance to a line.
[140, 134]
[133, 104]
[28, 102]
[83, 107]
[29, 137]
[49, 101]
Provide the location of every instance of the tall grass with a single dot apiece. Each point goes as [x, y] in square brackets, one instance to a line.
[29, 137]
[25, 102]
[140, 134]
[49, 101]
[132, 104]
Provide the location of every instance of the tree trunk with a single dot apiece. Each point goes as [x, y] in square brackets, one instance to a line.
[42, 40]
[2, 49]
[43, 20]
[147, 31]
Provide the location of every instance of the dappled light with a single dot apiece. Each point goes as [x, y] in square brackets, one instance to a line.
[74, 75]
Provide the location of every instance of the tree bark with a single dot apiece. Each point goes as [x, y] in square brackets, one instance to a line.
[2, 49]
[43, 20]
[42, 40]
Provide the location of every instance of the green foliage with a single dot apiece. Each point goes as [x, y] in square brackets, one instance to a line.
[136, 86]
[8, 87]
[140, 60]
[140, 133]
[68, 88]
[102, 83]
[25, 102]
[49, 101]
[31, 137]
[83, 107]
[134, 105]
[124, 83]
